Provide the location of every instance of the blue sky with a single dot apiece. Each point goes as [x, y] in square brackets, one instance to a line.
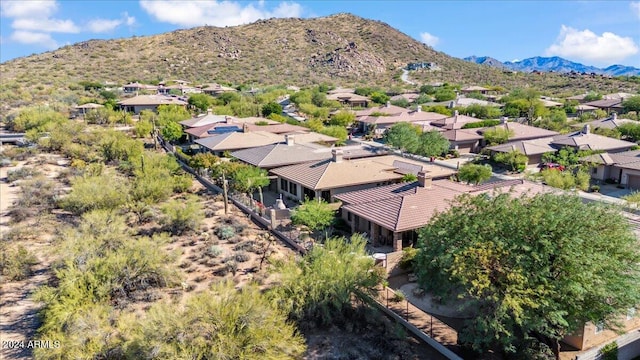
[598, 33]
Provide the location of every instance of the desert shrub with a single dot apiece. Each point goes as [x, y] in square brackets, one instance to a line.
[408, 256]
[610, 351]
[22, 173]
[398, 296]
[182, 215]
[241, 256]
[225, 232]
[214, 251]
[15, 262]
[221, 323]
[106, 191]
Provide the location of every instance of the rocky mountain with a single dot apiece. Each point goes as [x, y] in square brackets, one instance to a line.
[341, 49]
[554, 64]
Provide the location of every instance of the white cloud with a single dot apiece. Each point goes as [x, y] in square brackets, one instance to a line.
[103, 25]
[129, 20]
[586, 45]
[29, 9]
[216, 13]
[429, 39]
[635, 7]
[34, 38]
[45, 25]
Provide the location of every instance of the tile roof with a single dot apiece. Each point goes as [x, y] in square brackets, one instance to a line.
[521, 131]
[347, 96]
[605, 103]
[402, 207]
[462, 135]
[456, 121]
[387, 109]
[464, 102]
[591, 141]
[328, 174]
[527, 147]
[625, 160]
[89, 106]
[142, 100]
[404, 116]
[206, 119]
[608, 123]
[238, 140]
[281, 154]
[475, 88]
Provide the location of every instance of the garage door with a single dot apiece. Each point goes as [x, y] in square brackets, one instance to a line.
[634, 182]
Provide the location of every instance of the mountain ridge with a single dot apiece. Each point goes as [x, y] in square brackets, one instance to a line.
[555, 64]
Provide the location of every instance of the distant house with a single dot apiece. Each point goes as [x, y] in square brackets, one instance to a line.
[238, 140]
[410, 97]
[217, 89]
[178, 88]
[327, 178]
[547, 102]
[473, 89]
[391, 215]
[608, 105]
[381, 121]
[350, 99]
[135, 87]
[463, 140]
[465, 101]
[591, 337]
[533, 149]
[611, 122]
[82, 110]
[456, 121]
[521, 131]
[622, 167]
[148, 102]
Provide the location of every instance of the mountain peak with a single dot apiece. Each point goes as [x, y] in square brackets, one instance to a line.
[554, 64]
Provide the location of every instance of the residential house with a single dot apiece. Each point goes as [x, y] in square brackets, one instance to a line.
[547, 102]
[608, 105]
[232, 141]
[580, 140]
[621, 167]
[341, 91]
[591, 337]
[134, 88]
[292, 152]
[464, 140]
[611, 122]
[177, 88]
[475, 89]
[380, 122]
[327, 178]
[582, 109]
[207, 119]
[148, 102]
[391, 215]
[521, 131]
[217, 89]
[82, 110]
[410, 97]
[350, 99]
[463, 102]
[579, 98]
[456, 121]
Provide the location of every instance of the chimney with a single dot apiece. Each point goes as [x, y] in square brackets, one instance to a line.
[419, 109]
[586, 129]
[245, 128]
[336, 155]
[513, 147]
[424, 180]
[290, 139]
[209, 112]
[388, 104]
[229, 120]
[614, 116]
[456, 113]
[503, 120]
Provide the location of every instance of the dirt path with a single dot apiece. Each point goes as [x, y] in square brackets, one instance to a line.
[18, 313]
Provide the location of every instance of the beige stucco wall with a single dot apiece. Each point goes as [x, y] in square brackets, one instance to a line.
[586, 338]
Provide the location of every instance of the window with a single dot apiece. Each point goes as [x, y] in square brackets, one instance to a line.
[599, 327]
[595, 170]
[293, 189]
[631, 313]
[284, 184]
[348, 216]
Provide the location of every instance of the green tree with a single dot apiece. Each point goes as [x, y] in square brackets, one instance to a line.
[201, 101]
[222, 323]
[320, 287]
[497, 135]
[516, 160]
[96, 192]
[632, 104]
[444, 95]
[205, 160]
[314, 214]
[532, 269]
[403, 136]
[379, 97]
[143, 128]
[37, 118]
[172, 114]
[432, 143]
[592, 96]
[171, 131]
[630, 131]
[249, 179]
[402, 102]
[475, 173]
[271, 108]
[337, 132]
[342, 118]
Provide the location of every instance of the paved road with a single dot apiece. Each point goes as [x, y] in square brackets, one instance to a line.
[405, 77]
